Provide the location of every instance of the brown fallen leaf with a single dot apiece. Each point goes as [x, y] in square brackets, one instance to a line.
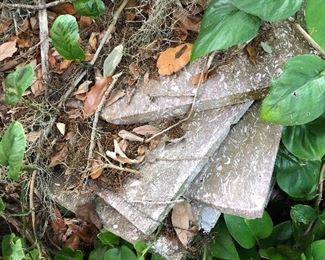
[87, 212]
[190, 22]
[174, 59]
[73, 241]
[96, 169]
[33, 136]
[64, 65]
[115, 96]
[206, 75]
[252, 53]
[183, 220]
[38, 88]
[65, 8]
[83, 88]
[59, 157]
[85, 21]
[4, 25]
[129, 136]
[146, 130]
[95, 95]
[7, 49]
[93, 40]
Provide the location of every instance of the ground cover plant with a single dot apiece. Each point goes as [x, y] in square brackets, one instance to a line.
[78, 32]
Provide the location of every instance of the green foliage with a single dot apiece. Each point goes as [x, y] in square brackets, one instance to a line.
[108, 238]
[12, 148]
[280, 253]
[17, 82]
[92, 8]
[281, 235]
[12, 248]
[306, 141]
[65, 36]
[298, 178]
[303, 214]
[112, 61]
[224, 26]
[222, 246]
[121, 253]
[316, 251]
[297, 96]
[247, 232]
[68, 254]
[315, 21]
[269, 10]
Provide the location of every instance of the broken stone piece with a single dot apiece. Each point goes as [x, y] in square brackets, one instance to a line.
[236, 81]
[170, 169]
[238, 179]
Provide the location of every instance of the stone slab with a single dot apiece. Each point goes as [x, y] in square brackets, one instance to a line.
[235, 82]
[170, 169]
[238, 179]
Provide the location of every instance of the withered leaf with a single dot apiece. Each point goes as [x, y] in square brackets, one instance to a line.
[7, 49]
[60, 156]
[87, 212]
[146, 130]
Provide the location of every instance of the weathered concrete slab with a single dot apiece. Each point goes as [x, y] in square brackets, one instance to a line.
[239, 177]
[168, 247]
[169, 170]
[237, 81]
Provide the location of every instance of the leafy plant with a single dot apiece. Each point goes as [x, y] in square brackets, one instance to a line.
[92, 8]
[17, 82]
[65, 36]
[12, 148]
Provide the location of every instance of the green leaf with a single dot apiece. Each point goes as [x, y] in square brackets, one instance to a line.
[248, 231]
[98, 253]
[316, 251]
[280, 253]
[68, 254]
[2, 206]
[281, 234]
[223, 26]
[17, 82]
[266, 47]
[222, 246]
[303, 214]
[121, 253]
[65, 36]
[89, 7]
[141, 248]
[32, 255]
[314, 15]
[12, 148]
[108, 238]
[112, 61]
[306, 141]
[269, 10]
[297, 96]
[12, 248]
[298, 178]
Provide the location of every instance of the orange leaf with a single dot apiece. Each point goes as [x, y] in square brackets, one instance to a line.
[64, 8]
[85, 21]
[4, 25]
[96, 170]
[174, 59]
[95, 95]
[7, 49]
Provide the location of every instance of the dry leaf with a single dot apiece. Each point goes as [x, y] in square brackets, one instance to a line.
[189, 22]
[135, 70]
[182, 220]
[146, 130]
[59, 156]
[174, 59]
[123, 144]
[61, 128]
[83, 88]
[95, 95]
[4, 25]
[73, 242]
[65, 8]
[252, 53]
[85, 21]
[38, 87]
[206, 75]
[142, 150]
[96, 169]
[64, 65]
[7, 49]
[88, 213]
[146, 78]
[115, 96]
[129, 136]
[52, 60]
[33, 136]
[120, 159]
[93, 40]
[23, 42]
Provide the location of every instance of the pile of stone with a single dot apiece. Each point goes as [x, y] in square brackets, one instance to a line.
[225, 160]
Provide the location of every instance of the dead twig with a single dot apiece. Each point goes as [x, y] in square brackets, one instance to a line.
[40, 6]
[122, 169]
[192, 108]
[310, 40]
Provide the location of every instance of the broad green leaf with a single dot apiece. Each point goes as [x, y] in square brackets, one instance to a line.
[314, 15]
[248, 231]
[142, 248]
[98, 253]
[121, 253]
[281, 234]
[303, 214]
[248, 254]
[222, 246]
[316, 251]
[108, 238]
[17, 82]
[32, 255]
[280, 253]
[112, 61]
[12, 148]
[297, 96]
[68, 254]
[12, 248]
[269, 10]
[222, 27]
[306, 141]
[89, 7]
[298, 178]
[65, 36]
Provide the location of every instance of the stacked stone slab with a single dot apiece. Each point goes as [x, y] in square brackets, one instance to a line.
[231, 163]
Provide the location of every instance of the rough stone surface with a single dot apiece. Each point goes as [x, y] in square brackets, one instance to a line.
[238, 178]
[235, 82]
[168, 247]
[170, 169]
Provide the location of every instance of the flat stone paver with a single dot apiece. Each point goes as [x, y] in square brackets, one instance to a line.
[170, 169]
[238, 180]
[235, 82]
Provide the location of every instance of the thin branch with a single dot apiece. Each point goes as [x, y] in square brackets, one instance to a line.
[122, 169]
[310, 40]
[35, 7]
